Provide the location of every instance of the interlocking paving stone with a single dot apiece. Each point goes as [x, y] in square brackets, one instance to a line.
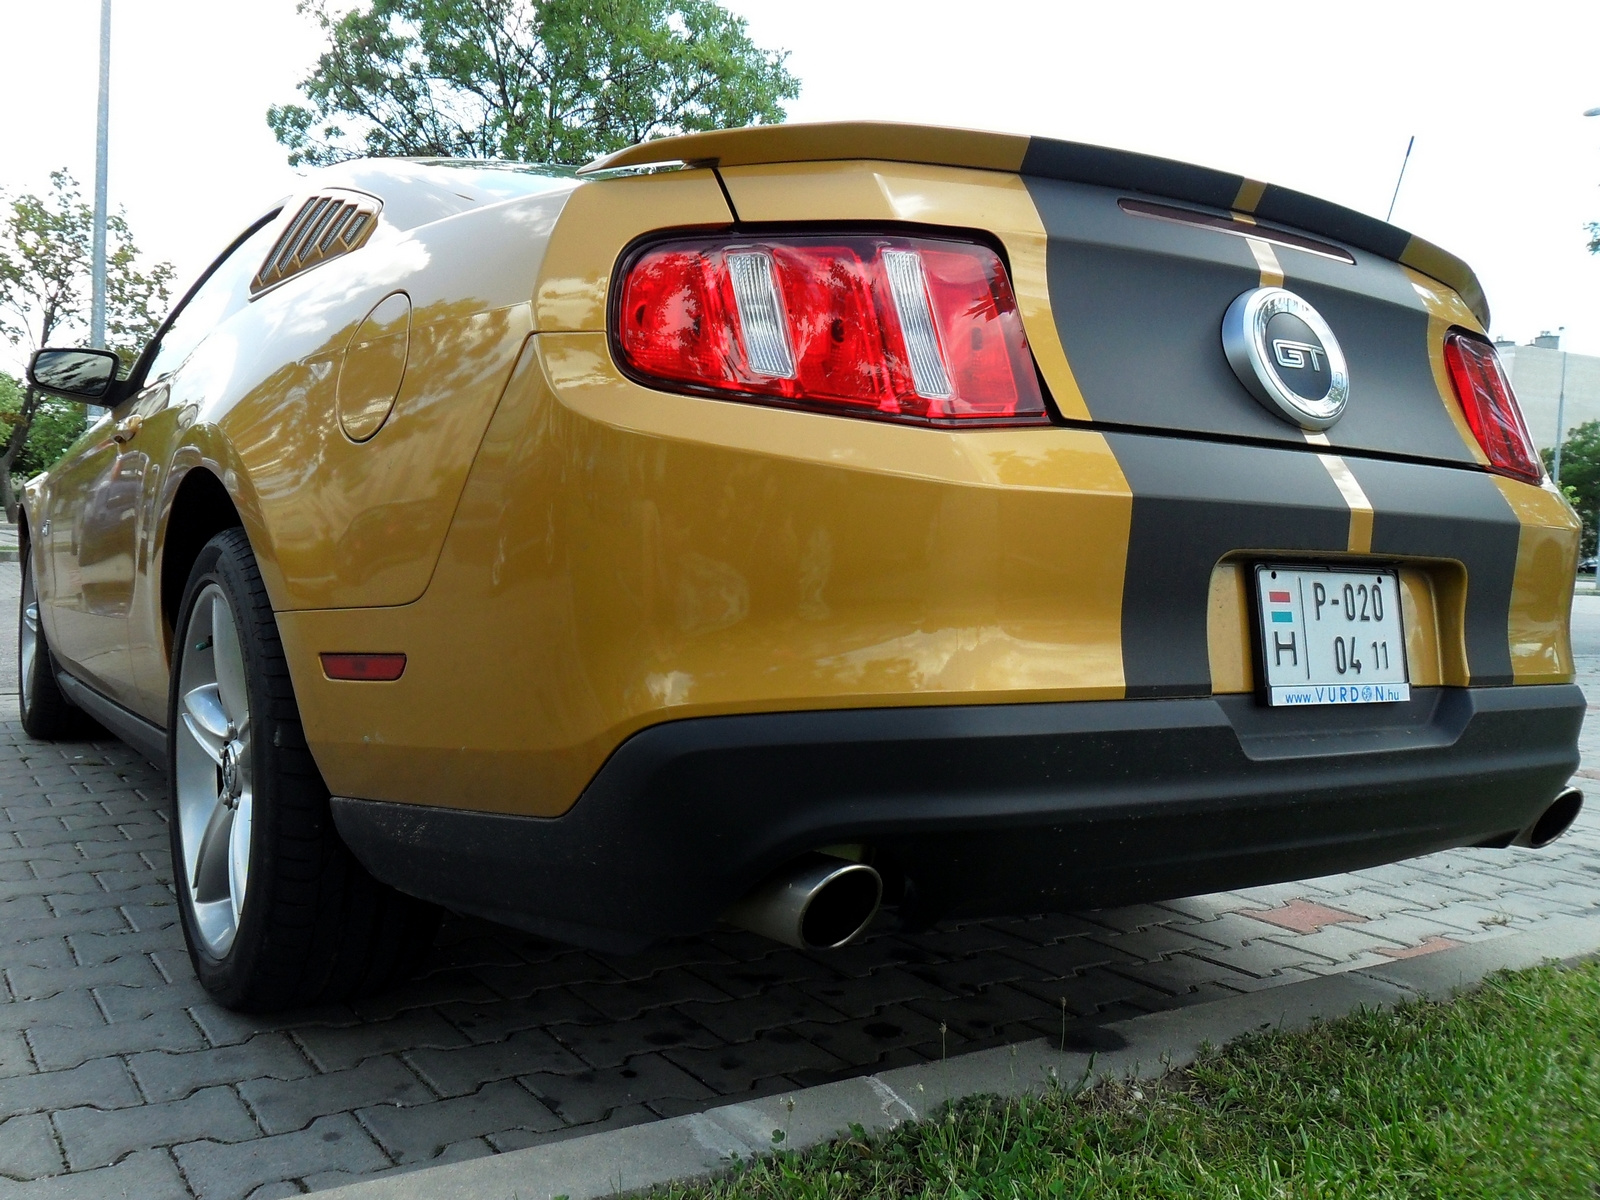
[101, 1081]
[422, 1132]
[163, 1075]
[506, 1041]
[458, 1072]
[591, 1096]
[143, 1175]
[94, 1137]
[285, 1105]
[1432, 946]
[218, 1171]
[28, 1148]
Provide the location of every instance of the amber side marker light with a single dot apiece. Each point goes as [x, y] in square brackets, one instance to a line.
[1491, 406]
[923, 330]
[382, 668]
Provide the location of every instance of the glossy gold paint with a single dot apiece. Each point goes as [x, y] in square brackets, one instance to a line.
[1538, 624]
[798, 142]
[599, 222]
[374, 367]
[1547, 562]
[629, 556]
[1229, 638]
[943, 196]
[1446, 309]
[566, 557]
[1419, 612]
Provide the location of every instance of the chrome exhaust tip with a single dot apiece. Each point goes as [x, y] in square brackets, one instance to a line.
[816, 903]
[1554, 821]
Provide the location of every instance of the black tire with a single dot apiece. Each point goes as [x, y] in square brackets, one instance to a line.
[312, 925]
[46, 712]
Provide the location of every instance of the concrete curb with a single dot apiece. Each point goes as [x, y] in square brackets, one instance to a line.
[698, 1145]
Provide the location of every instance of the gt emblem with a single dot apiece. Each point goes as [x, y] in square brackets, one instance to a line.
[1294, 354]
[1286, 356]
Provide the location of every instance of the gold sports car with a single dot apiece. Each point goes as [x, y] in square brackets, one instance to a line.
[772, 524]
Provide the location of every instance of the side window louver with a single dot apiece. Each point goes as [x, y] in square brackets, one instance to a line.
[328, 224]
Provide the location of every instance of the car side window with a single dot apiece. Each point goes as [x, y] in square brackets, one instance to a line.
[225, 291]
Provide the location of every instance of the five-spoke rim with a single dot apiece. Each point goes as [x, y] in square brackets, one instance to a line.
[213, 769]
[28, 642]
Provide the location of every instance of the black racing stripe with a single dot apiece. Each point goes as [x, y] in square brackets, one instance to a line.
[1333, 220]
[1138, 306]
[1101, 165]
[1048, 158]
[1394, 403]
[1438, 512]
[1194, 502]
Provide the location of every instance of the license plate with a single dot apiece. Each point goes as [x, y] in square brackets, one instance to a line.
[1332, 636]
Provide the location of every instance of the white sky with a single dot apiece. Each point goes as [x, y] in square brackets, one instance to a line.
[1320, 97]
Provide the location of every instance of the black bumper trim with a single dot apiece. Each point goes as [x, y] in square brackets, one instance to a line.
[992, 809]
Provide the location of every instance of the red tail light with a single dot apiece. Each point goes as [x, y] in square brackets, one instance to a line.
[907, 329]
[1491, 407]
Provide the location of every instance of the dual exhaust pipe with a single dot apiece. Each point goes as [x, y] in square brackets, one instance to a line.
[822, 903]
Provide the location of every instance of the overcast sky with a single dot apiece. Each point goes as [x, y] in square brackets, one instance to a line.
[1319, 97]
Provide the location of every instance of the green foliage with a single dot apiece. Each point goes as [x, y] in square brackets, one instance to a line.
[552, 81]
[46, 260]
[1490, 1096]
[55, 426]
[46, 249]
[1580, 475]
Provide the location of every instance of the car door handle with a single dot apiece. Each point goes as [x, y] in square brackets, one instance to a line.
[127, 430]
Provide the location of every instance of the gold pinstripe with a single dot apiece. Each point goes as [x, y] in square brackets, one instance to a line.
[1250, 193]
[1360, 536]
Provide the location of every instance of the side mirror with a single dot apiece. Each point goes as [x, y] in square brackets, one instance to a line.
[76, 374]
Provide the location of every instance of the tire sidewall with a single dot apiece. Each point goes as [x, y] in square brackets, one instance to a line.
[28, 683]
[226, 976]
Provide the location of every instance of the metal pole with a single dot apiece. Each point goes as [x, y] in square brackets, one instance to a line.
[97, 312]
[1561, 419]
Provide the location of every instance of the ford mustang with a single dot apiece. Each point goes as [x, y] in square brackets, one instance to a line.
[773, 524]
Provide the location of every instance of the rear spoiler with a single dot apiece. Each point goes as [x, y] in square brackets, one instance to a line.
[1052, 159]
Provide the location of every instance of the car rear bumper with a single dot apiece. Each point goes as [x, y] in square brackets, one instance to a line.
[991, 809]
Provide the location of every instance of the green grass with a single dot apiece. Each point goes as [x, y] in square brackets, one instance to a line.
[1494, 1095]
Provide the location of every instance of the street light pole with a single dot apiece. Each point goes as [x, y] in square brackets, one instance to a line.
[1561, 421]
[97, 310]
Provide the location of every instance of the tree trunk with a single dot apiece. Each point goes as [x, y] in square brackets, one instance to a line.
[14, 444]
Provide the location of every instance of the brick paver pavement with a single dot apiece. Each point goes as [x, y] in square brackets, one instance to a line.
[118, 1077]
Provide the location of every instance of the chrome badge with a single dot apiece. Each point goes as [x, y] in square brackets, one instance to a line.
[1284, 353]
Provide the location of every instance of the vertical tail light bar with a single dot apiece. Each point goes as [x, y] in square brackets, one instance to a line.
[1491, 406]
[910, 329]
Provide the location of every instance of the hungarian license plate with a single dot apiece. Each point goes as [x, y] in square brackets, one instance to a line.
[1332, 636]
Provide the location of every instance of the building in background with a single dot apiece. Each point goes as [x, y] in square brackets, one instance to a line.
[1536, 372]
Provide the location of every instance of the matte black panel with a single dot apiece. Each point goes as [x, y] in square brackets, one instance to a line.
[1193, 503]
[1394, 402]
[1333, 220]
[990, 809]
[1110, 168]
[1105, 167]
[1139, 306]
[1458, 515]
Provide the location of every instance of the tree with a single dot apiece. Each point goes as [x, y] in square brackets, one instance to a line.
[46, 246]
[55, 426]
[557, 81]
[1580, 475]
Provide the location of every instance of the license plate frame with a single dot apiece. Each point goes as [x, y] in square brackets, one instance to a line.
[1339, 638]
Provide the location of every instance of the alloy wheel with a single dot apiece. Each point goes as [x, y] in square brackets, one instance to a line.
[28, 643]
[213, 769]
